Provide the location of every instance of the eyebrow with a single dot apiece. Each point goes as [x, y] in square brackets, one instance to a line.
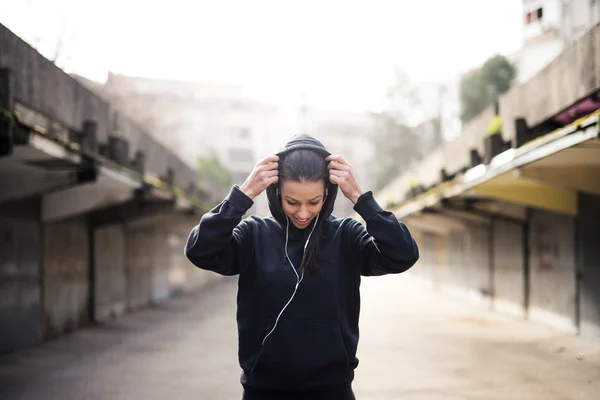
[314, 198]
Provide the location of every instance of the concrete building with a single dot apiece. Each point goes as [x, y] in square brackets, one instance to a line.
[195, 119]
[200, 118]
[94, 212]
[512, 220]
[549, 26]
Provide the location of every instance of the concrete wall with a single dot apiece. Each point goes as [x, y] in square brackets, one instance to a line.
[428, 171]
[54, 279]
[462, 263]
[441, 259]
[21, 319]
[142, 262]
[110, 279]
[135, 263]
[456, 262]
[426, 264]
[182, 275]
[457, 151]
[453, 155]
[459, 267]
[36, 84]
[552, 271]
[573, 74]
[66, 276]
[508, 278]
[478, 263]
[139, 262]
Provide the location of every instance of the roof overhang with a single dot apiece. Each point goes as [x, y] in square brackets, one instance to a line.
[71, 181]
[39, 165]
[545, 174]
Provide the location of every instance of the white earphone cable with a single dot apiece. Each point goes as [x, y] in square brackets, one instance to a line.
[298, 277]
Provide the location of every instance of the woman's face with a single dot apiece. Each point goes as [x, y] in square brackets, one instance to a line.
[302, 201]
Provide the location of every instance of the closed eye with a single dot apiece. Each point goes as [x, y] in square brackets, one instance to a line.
[293, 203]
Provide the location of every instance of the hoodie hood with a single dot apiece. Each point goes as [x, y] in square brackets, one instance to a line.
[304, 142]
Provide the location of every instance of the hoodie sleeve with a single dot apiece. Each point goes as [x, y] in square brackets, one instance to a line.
[222, 242]
[385, 246]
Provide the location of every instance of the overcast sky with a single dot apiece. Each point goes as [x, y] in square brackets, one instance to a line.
[341, 53]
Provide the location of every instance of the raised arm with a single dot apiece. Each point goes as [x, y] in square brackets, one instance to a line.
[385, 246]
[222, 242]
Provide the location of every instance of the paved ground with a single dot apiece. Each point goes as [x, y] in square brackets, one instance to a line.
[414, 345]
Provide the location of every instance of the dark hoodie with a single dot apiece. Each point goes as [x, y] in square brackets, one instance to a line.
[315, 341]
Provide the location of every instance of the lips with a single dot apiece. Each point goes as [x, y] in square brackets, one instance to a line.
[302, 222]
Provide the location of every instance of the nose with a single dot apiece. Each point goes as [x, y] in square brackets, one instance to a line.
[303, 213]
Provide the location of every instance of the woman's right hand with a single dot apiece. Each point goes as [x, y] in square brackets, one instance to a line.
[263, 175]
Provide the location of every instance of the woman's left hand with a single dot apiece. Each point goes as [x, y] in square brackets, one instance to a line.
[340, 173]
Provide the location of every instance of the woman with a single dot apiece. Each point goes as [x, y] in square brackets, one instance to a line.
[299, 270]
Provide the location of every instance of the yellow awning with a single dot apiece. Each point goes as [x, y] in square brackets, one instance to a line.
[528, 192]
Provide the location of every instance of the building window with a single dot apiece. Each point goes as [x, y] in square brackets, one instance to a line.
[241, 155]
[238, 132]
[533, 16]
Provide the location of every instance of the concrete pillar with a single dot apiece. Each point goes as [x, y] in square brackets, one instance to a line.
[155, 261]
[66, 276]
[6, 109]
[508, 279]
[552, 270]
[21, 313]
[110, 279]
[139, 262]
[588, 265]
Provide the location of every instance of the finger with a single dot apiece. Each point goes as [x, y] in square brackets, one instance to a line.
[274, 179]
[340, 173]
[337, 165]
[271, 158]
[342, 160]
[270, 173]
[334, 179]
[336, 157]
[267, 167]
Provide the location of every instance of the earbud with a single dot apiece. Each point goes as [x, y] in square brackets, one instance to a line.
[324, 197]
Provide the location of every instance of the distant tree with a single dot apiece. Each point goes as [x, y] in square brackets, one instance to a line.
[403, 131]
[214, 173]
[397, 146]
[483, 86]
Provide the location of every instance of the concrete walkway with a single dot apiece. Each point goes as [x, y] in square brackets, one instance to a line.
[414, 345]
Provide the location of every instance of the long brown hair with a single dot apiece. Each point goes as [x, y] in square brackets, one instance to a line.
[307, 165]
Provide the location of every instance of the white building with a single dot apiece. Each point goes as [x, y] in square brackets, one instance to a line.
[195, 119]
[549, 27]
